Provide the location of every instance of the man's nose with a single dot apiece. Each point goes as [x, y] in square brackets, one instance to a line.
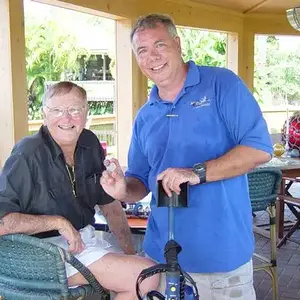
[154, 54]
[66, 113]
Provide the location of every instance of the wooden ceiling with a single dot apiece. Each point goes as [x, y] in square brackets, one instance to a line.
[253, 6]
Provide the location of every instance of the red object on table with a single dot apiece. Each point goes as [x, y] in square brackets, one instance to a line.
[104, 147]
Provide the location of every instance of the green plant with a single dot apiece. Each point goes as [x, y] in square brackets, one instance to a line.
[51, 55]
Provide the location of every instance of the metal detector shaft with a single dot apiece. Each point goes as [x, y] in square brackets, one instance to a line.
[171, 222]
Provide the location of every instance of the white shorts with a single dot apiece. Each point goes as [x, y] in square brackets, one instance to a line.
[95, 247]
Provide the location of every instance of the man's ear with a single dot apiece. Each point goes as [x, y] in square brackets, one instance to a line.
[178, 42]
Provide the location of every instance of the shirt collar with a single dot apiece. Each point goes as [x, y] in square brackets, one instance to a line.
[55, 149]
[192, 78]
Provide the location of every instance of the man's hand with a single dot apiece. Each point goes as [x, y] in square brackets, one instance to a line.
[66, 229]
[113, 180]
[173, 177]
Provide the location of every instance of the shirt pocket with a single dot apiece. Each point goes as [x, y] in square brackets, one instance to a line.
[44, 201]
[62, 199]
[93, 189]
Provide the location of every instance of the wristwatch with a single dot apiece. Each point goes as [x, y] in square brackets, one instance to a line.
[200, 170]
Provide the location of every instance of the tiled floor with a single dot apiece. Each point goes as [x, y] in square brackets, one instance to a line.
[288, 268]
[288, 262]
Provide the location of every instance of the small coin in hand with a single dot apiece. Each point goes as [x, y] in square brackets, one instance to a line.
[110, 166]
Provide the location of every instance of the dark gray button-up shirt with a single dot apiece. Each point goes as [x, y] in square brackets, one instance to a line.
[35, 180]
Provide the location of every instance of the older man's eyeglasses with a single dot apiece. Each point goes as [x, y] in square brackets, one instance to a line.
[73, 111]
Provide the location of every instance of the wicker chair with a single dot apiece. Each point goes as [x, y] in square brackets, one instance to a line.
[31, 269]
[264, 184]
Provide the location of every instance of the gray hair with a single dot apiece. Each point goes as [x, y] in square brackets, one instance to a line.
[62, 88]
[151, 21]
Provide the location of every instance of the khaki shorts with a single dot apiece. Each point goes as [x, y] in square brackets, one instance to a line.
[234, 285]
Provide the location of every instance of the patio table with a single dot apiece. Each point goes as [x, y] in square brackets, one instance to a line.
[290, 168]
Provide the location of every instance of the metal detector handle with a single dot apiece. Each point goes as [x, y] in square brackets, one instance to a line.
[163, 200]
[175, 201]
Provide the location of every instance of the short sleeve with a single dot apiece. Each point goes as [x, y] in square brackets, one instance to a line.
[104, 197]
[243, 117]
[15, 185]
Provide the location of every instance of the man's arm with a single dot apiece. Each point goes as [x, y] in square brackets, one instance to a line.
[136, 190]
[28, 224]
[240, 160]
[118, 225]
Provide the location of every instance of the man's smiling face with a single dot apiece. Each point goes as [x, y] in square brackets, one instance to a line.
[158, 54]
[65, 116]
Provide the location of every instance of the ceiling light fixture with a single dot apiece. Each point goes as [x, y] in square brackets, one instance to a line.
[293, 16]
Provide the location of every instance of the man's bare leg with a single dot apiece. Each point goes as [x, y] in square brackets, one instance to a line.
[118, 273]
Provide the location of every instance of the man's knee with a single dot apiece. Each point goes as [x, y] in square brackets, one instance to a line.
[119, 273]
[151, 283]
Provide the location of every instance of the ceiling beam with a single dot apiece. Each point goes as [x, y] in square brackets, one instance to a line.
[82, 9]
[256, 6]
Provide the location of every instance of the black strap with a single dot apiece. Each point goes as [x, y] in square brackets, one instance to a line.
[86, 273]
[162, 268]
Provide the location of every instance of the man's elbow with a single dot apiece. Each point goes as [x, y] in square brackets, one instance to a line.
[262, 157]
[4, 222]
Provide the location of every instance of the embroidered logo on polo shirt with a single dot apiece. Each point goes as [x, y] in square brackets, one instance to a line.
[201, 103]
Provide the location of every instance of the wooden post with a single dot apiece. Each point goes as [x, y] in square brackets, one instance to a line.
[131, 88]
[13, 112]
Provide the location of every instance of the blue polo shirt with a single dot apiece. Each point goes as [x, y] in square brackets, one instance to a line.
[213, 113]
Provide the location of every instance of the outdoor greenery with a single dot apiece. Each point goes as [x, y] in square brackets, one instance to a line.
[51, 55]
[54, 54]
[206, 48]
[277, 72]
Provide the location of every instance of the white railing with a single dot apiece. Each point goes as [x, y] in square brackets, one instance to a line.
[275, 117]
[102, 125]
[34, 125]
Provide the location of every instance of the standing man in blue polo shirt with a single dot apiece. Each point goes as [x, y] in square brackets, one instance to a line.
[201, 125]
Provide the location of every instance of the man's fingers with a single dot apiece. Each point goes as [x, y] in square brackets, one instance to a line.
[113, 165]
[76, 246]
[171, 179]
[171, 184]
[176, 186]
[106, 174]
[116, 162]
[106, 178]
[81, 246]
[117, 176]
[72, 246]
[166, 186]
[165, 182]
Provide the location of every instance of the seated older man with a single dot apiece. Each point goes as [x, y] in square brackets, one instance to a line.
[50, 185]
